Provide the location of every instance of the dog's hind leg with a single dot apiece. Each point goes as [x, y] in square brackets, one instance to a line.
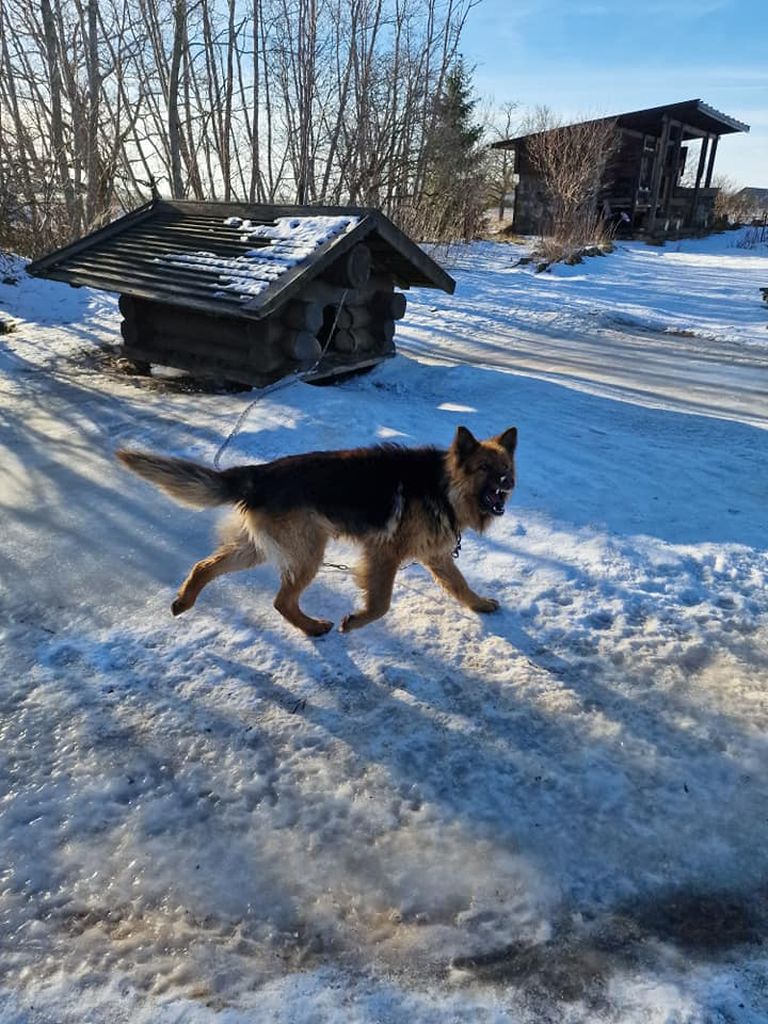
[302, 546]
[293, 583]
[232, 557]
[377, 577]
[448, 575]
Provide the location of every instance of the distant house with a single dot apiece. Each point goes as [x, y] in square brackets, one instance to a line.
[650, 185]
[754, 202]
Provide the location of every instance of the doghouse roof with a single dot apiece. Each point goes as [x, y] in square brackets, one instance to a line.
[238, 259]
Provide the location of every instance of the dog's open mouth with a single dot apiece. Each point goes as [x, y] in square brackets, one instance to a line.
[492, 500]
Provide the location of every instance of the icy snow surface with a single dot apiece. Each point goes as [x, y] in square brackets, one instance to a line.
[291, 240]
[556, 813]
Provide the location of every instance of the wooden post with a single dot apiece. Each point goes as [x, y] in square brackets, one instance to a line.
[711, 165]
[674, 168]
[658, 166]
[705, 141]
[702, 160]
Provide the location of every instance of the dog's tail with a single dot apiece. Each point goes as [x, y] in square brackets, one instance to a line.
[187, 482]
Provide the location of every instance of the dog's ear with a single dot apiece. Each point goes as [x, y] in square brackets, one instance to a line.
[464, 443]
[508, 440]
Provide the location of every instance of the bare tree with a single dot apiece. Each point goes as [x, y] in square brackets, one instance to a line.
[106, 102]
[500, 178]
[573, 162]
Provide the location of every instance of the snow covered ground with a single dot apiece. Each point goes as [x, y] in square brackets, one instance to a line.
[558, 813]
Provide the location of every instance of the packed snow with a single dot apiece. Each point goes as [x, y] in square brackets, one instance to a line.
[290, 240]
[557, 813]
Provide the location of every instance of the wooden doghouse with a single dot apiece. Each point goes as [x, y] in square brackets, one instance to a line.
[251, 293]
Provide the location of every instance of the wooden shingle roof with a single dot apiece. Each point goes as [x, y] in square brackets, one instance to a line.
[193, 254]
[693, 113]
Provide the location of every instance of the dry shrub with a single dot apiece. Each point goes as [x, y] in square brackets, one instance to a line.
[573, 161]
[585, 235]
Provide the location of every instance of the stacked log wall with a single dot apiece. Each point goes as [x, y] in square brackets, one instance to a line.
[258, 352]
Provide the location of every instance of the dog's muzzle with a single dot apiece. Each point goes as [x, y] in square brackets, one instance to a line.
[494, 496]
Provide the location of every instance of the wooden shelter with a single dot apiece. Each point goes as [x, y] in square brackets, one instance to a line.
[251, 293]
[649, 185]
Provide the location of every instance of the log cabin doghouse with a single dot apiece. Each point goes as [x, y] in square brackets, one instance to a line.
[252, 293]
[658, 182]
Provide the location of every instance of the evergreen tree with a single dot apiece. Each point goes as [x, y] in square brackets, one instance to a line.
[453, 183]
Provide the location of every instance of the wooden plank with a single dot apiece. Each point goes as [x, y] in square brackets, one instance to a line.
[152, 227]
[189, 231]
[330, 366]
[416, 256]
[174, 282]
[229, 329]
[108, 283]
[52, 259]
[212, 369]
[211, 226]
[159, 246]
[167, 279]
[150, 247]
[244, 356]
[152, 336]
[264, 211]
[162, 273]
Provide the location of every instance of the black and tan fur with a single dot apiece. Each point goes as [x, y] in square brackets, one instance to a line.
[399, 504]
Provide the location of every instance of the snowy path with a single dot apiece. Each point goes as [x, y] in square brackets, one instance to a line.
[214, 819]
[707, 377]
[658, 341]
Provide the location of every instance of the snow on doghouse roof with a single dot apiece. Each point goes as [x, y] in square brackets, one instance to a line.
[282, 245]
[234, 258]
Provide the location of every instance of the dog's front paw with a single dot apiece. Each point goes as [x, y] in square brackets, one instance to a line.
[180, 605]
[318, 627]
[485, 605]
[350, 622]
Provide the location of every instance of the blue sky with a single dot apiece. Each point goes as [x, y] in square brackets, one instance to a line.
[593, 57]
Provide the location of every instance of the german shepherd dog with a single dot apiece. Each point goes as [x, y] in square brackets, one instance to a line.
[399, 504]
